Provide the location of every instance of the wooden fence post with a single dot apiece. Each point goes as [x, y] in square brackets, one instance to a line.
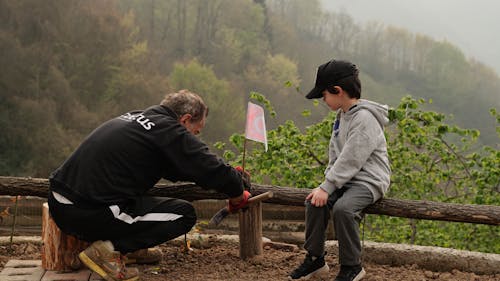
[250, 221]
[251, 231]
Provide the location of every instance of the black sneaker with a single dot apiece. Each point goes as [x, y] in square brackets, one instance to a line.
[350, 273]
[310, 268]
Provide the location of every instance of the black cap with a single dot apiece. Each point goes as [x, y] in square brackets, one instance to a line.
[330, 73]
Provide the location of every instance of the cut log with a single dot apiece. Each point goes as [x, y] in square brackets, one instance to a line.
[251, 226]
[251, 231]
[59, 250]
[481, 214]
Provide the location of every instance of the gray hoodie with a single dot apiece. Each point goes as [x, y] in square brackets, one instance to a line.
[358, 150]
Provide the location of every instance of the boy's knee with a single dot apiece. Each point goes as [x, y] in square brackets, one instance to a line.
[311, 208]
[341, 209]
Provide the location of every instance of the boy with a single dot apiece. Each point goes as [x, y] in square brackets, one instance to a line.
[357, 175]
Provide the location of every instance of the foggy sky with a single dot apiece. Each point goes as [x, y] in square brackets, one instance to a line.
[471, 25]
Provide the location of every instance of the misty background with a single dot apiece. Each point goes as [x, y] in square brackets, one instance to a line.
[471, 25]
[67, 66]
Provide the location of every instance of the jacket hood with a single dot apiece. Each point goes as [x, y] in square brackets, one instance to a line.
[380, 111]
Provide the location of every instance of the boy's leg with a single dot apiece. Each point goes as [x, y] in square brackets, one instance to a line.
[315, 229]
[316, 224]
[346, 218]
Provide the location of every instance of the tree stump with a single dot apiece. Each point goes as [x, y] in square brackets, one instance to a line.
[250, 221]
[251, 231]
[59, 250]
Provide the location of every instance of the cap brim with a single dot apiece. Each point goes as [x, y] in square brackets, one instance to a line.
[315, 93]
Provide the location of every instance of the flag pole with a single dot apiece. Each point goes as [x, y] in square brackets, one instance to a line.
[244, 152]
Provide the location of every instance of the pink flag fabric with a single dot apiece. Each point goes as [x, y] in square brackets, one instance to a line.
[256, 125]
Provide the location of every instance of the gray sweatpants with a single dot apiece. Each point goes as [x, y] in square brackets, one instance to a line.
[348, 203]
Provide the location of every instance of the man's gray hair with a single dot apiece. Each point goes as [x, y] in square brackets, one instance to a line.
[186, 102]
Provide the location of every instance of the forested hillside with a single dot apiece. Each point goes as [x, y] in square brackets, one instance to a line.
[68, 65]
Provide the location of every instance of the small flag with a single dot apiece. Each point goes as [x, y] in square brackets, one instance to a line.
[256, 125]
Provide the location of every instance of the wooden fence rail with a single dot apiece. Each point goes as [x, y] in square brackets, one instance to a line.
[429, 210]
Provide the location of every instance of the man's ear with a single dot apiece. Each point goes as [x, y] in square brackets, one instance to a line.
[185, 118]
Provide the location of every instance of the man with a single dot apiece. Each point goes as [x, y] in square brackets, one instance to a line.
[357, 174]
[99, 192]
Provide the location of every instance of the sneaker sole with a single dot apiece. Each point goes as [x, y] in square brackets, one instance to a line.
[320, 272]
[97, 269]
[360, 275]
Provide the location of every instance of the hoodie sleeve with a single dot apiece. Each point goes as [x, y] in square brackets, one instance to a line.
[360, 143]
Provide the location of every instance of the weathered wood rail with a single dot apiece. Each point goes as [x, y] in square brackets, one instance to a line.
[429, 210]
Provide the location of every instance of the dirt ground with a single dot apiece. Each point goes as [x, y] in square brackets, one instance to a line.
[220, 261]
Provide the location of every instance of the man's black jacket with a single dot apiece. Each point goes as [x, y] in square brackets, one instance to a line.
[128, 155]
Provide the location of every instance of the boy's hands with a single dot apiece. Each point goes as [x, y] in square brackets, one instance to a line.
[318, 197]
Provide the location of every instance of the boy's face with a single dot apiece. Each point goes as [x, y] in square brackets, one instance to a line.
[332, 100]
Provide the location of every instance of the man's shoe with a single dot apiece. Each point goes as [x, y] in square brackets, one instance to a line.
[144, 256]
[107, 263]
[350, 273]
[311, 267]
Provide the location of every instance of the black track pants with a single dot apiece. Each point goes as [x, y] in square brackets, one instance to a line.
[143, 222]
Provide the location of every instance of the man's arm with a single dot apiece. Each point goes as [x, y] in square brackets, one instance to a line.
[190, 159]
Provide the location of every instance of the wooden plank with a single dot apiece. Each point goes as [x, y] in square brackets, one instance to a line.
[22, 270]
[80, 275]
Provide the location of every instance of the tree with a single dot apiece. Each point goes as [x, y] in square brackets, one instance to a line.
[225, 106]
[60, 81]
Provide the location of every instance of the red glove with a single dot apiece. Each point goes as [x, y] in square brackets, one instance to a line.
[245, 177]
[233, 208]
